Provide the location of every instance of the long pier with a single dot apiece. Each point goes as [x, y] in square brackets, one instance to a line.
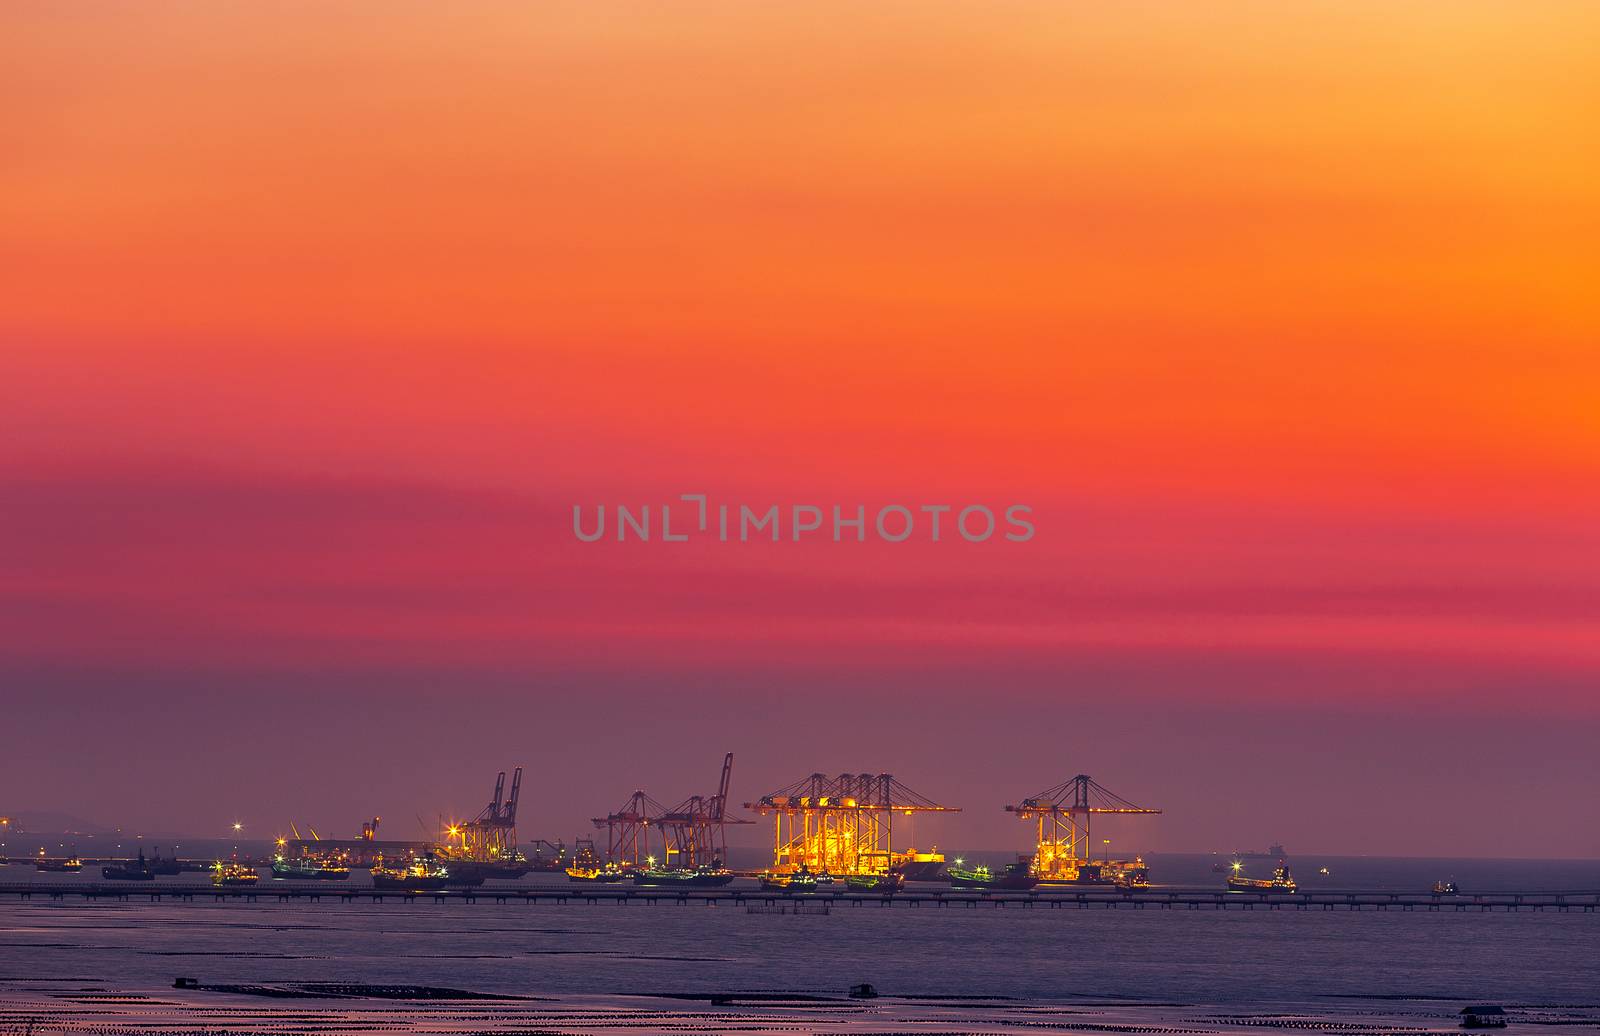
[1587, 902]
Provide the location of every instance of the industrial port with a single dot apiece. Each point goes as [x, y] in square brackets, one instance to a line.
[846, 835]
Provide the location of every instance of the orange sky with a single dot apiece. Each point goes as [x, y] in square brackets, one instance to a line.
[316, 319]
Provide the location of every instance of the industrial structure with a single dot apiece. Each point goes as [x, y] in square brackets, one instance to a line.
[839, 825]
[694, 832]
[628, 830]
[492, 835]
[1063, 815]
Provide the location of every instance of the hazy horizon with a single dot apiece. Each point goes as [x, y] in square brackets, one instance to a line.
[317, 324]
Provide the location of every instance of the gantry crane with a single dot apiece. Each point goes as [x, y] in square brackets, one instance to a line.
[841, 825]
[492, 835]
[1063, 814]
[694, 832]
[628, 830]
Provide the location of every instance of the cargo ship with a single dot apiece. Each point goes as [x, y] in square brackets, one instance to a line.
[233, 873]
[1281, 880]
[424, 874]
[129, 870]
[1014, 877]
[700, 877]
[170, 865]
[1274, 851]
[1134, 873]
[914, 866]
[70, 865]
[477, 871]
[307, 868]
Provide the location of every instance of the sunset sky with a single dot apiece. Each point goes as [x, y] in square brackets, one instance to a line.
[316, 320]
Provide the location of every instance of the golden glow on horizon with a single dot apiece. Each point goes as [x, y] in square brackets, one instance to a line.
[1281, 316]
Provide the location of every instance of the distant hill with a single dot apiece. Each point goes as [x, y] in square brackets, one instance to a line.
[47, 822]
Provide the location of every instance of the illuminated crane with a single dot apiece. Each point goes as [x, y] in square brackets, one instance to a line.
[492, 835]
[628, 830]
[1063, 815]
[694, 832]
[841, 825]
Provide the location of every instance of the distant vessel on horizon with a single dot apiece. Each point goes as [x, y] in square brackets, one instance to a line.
[1275, 851]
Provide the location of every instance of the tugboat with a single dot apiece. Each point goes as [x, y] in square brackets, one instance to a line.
[70, 865]
[606, 874]
[421, 875]
[233, 873]
[708, 876]
[1015, 877]
[129, 870]
[1445, 888]
[307, 868]
[1281, 880]
[893, 881]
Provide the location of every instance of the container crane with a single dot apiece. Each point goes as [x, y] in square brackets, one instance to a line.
[842, 825]
[694, 832]
[628, 830]
[1063, 815]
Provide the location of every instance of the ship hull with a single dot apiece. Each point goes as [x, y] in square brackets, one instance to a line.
[922, 870]
[788, 886]
[692, 880]
[1006, 881]
[1258, 885]
[119, 874]
[308, 874]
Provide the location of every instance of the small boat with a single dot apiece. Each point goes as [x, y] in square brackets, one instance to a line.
[424, 874]
[70, 865]
[129, 870]
[1281, 880]
[699, 877]
[233, 873]
[893, 881]
[308, 868]
[1014, 877]
[606, 874]
[1483, 1016]
[799, 881]
[1445, 888]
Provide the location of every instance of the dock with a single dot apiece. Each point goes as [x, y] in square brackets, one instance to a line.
[1584, 901]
